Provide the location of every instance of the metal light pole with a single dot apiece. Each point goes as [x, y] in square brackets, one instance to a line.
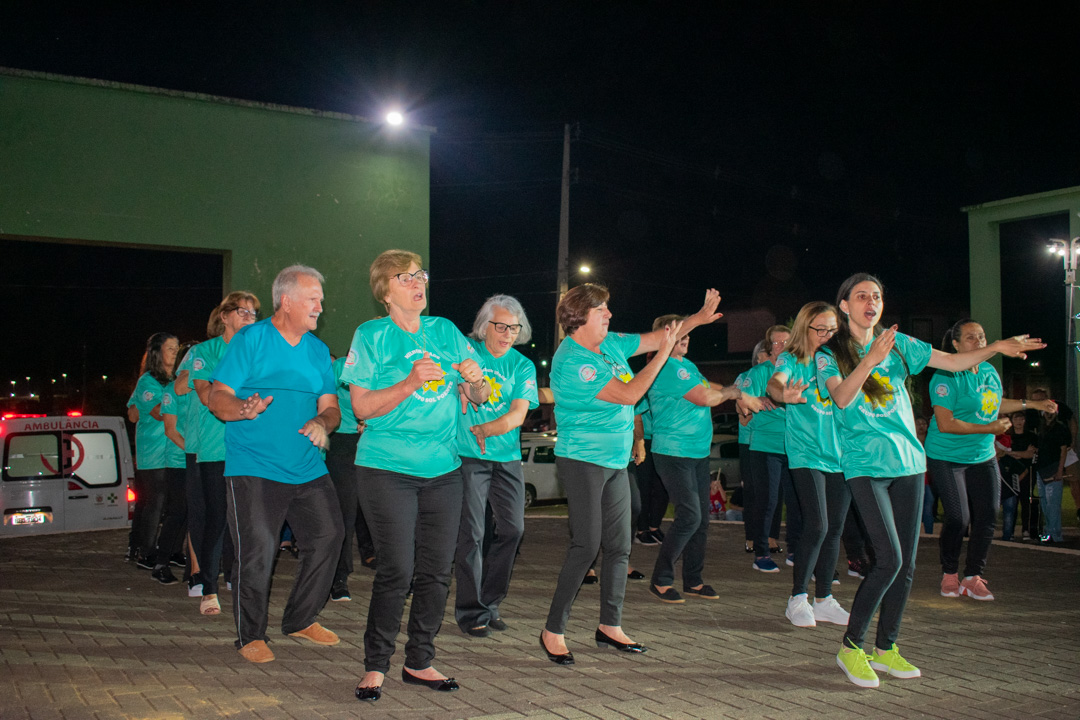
[1068, 250]
[564, 235]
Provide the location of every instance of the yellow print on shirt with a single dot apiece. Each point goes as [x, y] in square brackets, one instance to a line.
[824, 402]
[434, 385]
[989, 402]
[886, 382]
[626, 377]
[496, 390]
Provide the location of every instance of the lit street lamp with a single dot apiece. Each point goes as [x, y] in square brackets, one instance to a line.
[1068, 251]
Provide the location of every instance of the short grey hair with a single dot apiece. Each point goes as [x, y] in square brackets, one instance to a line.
[286, 281]
[510, 305]
[761, 347]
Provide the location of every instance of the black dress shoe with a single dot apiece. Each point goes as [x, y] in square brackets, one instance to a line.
[442, 685]
[482, 631]
[565, 659]
[368, 694]
[497, 624]
[635, 575]
[590, 580]
[603, 640]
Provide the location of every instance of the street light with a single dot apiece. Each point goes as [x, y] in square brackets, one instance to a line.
[395, 118]
[584, 269]
[1067, 251]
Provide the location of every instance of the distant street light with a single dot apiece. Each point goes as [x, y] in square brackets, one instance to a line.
[585, 269]
[394, 118]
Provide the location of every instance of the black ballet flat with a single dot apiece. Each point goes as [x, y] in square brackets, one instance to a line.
[566, 659]
[442, 685]
[368, 694]
[590, 580]
[603, 640]
[635, 575]
[777, 549]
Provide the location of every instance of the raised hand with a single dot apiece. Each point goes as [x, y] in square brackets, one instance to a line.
[424, 370]
[1018, 345]
[671, 336]
[253, 406]
[707, 313]
[882, 346]
[793, 392]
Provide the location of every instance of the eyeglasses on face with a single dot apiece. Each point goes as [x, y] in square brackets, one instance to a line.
[779, 343]
[406, 279]
[503, 327]
[824, 332]
[245, 313]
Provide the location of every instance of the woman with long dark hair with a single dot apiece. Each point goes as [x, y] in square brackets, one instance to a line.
[962, 461]
[151, 446]
[864, 370]
[813, 451]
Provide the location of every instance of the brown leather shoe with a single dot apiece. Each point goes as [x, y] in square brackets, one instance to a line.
[256, 651]
[317, 634]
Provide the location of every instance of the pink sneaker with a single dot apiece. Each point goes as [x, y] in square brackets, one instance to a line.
[974, 587]
[950, 585]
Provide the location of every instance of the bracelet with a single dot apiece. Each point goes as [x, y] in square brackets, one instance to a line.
[1023, 404]
[478, 384]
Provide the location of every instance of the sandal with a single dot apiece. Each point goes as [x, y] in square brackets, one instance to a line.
[209, 605]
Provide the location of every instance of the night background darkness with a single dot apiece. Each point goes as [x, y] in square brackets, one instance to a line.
[768, 149]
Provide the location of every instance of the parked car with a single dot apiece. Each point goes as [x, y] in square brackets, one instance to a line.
[538, 464]
[724, 458]
[64, 474]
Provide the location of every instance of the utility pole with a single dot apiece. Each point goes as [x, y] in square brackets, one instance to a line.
[564, 234]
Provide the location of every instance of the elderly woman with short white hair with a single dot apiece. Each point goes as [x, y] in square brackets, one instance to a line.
[489, 444]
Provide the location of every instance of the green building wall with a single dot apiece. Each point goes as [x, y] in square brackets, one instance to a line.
[266, 186]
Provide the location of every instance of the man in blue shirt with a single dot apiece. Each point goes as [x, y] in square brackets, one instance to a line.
[275, 391]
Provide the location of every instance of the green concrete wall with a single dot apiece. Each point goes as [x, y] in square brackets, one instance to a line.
[103, 163]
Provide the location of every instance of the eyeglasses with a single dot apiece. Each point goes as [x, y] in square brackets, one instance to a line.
[503, 327]
[406, 279]
[617, 368]
[824, 332]
[245, 313]
[779, 343]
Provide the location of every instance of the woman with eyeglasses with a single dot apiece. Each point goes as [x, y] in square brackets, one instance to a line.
[595, 393]
[962, 460]
[236, 311]
[863, 370]
[768, 460]
[682, 400]
[405, 372]
[813, 452]
[489, 443]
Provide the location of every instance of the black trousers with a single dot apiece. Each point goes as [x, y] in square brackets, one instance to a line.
[769, 475]
[212, 550]
[414, 522]
[341, 464]
[891, 508]
[654, 496]
[257, 508]
[687, 483]
[196, 509]
[150, 491]
[173, 516]
[970, 495]
[824, 499]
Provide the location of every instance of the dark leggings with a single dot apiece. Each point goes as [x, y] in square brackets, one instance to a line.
[969, 494]
[891, 509]
[824, 499]
[653, 500]
[768, 471]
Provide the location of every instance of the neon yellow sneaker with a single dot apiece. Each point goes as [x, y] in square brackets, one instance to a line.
[892, 663]
[853, 661]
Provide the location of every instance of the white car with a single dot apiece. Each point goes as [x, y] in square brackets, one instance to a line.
[724, 457]
[538, 466]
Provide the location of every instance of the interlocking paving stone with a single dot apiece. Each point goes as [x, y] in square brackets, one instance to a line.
[85, 635]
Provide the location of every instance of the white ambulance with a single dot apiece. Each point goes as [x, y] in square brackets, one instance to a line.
[64, 474]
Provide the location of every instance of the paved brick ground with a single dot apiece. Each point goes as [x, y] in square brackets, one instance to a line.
[85, 635]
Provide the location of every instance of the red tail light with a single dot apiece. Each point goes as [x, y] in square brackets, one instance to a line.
[74, 413]
[131, 501]
[130, 495]
[19, 416]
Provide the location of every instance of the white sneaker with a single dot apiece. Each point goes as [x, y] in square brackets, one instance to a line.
[828, 610]
[799, 611]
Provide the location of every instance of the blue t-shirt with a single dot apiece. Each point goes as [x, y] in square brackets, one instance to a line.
[593, 430]
[419, 436]
[880, 441]
[680, 428]
[511, 377]
[973, 397]
[768, 430]
[270, 446]
[811, 440]
[348, 425]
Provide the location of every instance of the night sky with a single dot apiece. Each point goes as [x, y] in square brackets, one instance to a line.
[768, 149]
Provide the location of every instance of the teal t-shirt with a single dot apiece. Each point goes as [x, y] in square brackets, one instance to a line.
[592, 430]
[211, 430]
[768, 431]
[973, 397]
[270, 446]
[880, 441]
[150, 440]
[348, 425]
[642, 408]
[170, 405]
[811, 439]
[188, 415]
[512, 377]
[419, 436]
[680, 428]
[742, 382]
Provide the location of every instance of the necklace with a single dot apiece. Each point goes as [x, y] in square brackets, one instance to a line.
[412, 336]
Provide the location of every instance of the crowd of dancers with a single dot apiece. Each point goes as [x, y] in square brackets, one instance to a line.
[414, 436]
